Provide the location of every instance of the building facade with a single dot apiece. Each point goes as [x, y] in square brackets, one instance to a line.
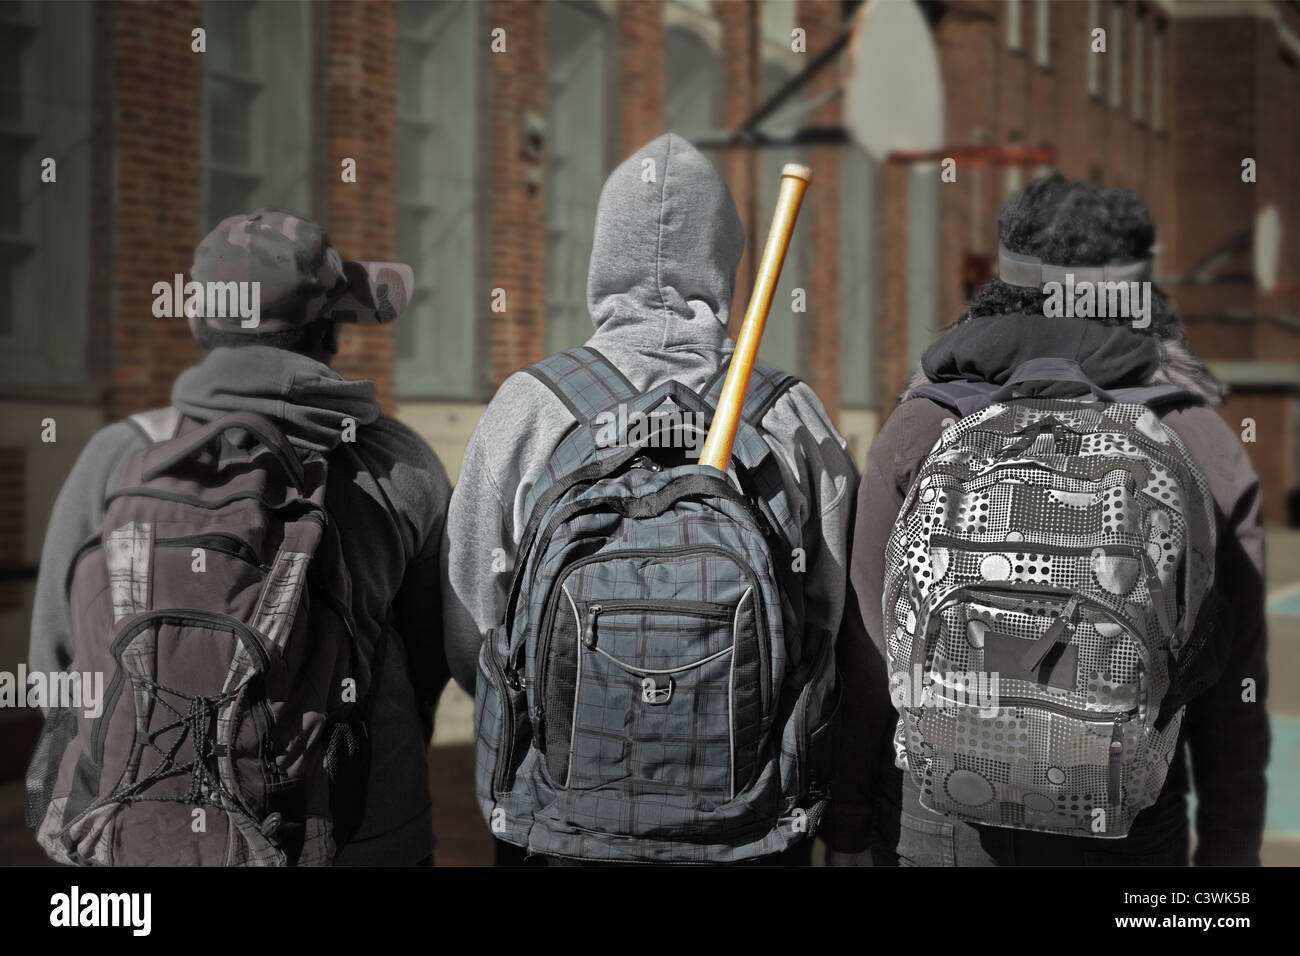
[481, 133]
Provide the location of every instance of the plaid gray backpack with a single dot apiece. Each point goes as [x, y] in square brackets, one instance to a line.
[1044, 576]
[652, 695]
[216, 603]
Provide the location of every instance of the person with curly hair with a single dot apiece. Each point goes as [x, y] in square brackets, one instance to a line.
[1051, 227]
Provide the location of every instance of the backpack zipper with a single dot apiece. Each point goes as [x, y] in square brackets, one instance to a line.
[1114, 750]
[1115, 763]
[548, 618]
[704, 609]
[1061, 628]
[506, 753]
[1027, 547]
[1151, 577]
[1006, 590]
[218, 541]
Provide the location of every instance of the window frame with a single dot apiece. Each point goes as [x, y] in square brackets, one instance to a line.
[48, 245]
[443, 365]
[265, 170]
[572, 237]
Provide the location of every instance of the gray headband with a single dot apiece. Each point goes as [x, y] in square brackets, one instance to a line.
[1032, 273]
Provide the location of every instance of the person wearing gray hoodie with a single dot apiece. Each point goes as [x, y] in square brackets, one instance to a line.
[386, 491]
[659, 288]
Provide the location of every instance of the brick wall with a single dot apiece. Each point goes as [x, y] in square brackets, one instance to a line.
[821, 21]
[1213, 128]
[742, 73]
[517, 212]
[891, 333]
[966, 49]
[641, 77]
[101, 249]
[1274, 448]
[156, 192]
[1230, 92]
[361, 97]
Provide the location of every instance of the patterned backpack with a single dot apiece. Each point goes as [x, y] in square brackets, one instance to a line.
[1042, 583]
[652, 695]
[216, 603]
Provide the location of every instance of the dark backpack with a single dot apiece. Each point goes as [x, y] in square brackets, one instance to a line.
[216, 603]
[1045, 605]
[652, 695]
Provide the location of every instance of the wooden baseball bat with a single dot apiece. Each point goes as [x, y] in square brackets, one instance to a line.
[726, 419]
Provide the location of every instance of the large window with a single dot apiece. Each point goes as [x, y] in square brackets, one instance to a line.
[46, 110]
[439, 194]
[257, 90]
[1013, 24]
[579, 71]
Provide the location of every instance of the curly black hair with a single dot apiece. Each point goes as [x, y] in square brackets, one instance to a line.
[1063, 222]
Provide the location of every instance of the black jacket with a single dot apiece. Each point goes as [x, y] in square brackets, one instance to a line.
[1227, 738]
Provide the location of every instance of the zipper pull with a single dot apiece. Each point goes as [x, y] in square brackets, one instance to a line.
[1157, 592]
[1115, 762]
[1059, 629]
[589, 634]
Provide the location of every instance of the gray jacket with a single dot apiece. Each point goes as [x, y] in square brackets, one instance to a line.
[391, 554]
[659, 291]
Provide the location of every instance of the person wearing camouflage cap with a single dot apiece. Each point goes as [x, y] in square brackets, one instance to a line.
[298, 273]
[387, 492]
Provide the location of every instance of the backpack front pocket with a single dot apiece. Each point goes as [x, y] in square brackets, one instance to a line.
[656, 706]
[500, 715]
[1026, 764]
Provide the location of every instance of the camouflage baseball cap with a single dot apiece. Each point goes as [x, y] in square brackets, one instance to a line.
[300, 276]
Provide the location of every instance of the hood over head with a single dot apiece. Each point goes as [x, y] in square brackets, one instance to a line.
[988, 348]
[665, 251]
[307, 400]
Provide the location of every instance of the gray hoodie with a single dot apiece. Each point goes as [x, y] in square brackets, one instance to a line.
[659, 289]
[391, 554]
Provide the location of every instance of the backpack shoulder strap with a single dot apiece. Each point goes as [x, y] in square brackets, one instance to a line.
[584, 380]
[1157, 396]
[157, 425]
[964, 398]
[767, 384]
